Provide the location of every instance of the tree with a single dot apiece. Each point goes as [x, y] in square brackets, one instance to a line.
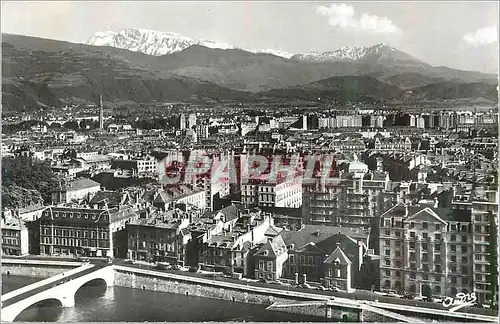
[25, 181]
[71, 124]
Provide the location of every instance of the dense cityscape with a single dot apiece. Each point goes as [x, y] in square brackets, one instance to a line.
[161, 178]
[408, 208]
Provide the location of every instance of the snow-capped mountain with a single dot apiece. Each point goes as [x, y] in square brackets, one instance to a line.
[157, 43]
[274, 52]
[149, 42]
[377, 53]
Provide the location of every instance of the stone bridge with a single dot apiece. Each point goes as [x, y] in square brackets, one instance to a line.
[62, 287]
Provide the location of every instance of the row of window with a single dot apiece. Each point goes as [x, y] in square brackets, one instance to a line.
[12, 233]
[77, 233]
[153, 245]
[93, 216]
[74, 242]
[10, 241]
[425, 225]
[311, 260]
[162, 238]
[262, 265]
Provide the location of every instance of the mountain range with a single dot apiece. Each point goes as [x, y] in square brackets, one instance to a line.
[153, 42]
[39, 73]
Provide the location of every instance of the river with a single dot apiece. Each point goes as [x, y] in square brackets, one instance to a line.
[97, 303]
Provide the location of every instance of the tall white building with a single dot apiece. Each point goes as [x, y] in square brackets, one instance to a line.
[191, 121]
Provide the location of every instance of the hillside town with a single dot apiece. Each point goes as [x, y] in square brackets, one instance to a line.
[333, 198]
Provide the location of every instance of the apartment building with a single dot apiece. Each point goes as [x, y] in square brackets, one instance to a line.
[426, 250]
[280, 193]
[138, 166]
[353, 201]
[75, 190]
[85, 231]
[313, 252]
[485, 245]
[192, 197]
[270, 258]
[159, 237]
[228, 251]
[14, 236]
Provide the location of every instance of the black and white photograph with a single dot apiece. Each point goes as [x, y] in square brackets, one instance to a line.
[249, 161]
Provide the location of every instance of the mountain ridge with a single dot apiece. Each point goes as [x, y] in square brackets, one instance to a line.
[153, 42]
[41, 73]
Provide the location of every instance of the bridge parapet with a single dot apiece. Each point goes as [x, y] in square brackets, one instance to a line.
[43, 282]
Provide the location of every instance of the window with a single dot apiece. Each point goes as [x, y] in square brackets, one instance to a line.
[424, 246]
[270, 265]
[310, 260]
[453, 258]
[412, 255]
[398, 243]
[425, 235]
[388, 273]
[261, 264]
[387, 262]
[437, 278]
[412, 225]
[437, 247]
[464, 238]
[424, 225]
[398, 233]
[453, 227]
[425, 267]
[464, 248]
[465, 259]
[438, 237]
[398, 274]
[387, 242]
[477, 228]
[387, 252]
[291, 259]
[453, 248]
[398, 254]
[453, 269]
[464, 229]
[412, 245]
[453, 238]
[425, 257]
[398, 264]
[438, 227]
[437, 289]
[412, 234]
[412, 275]
[437, 268]
[477, 257]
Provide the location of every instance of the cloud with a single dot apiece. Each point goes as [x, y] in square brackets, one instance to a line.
[482, 36]
[342, 16]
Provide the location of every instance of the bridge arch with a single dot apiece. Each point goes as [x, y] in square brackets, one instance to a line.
[54, 300]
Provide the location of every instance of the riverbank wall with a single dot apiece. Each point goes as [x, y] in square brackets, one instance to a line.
[220, 290]
[25, 268]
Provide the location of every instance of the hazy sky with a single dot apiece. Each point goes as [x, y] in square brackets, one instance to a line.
[456, 34]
